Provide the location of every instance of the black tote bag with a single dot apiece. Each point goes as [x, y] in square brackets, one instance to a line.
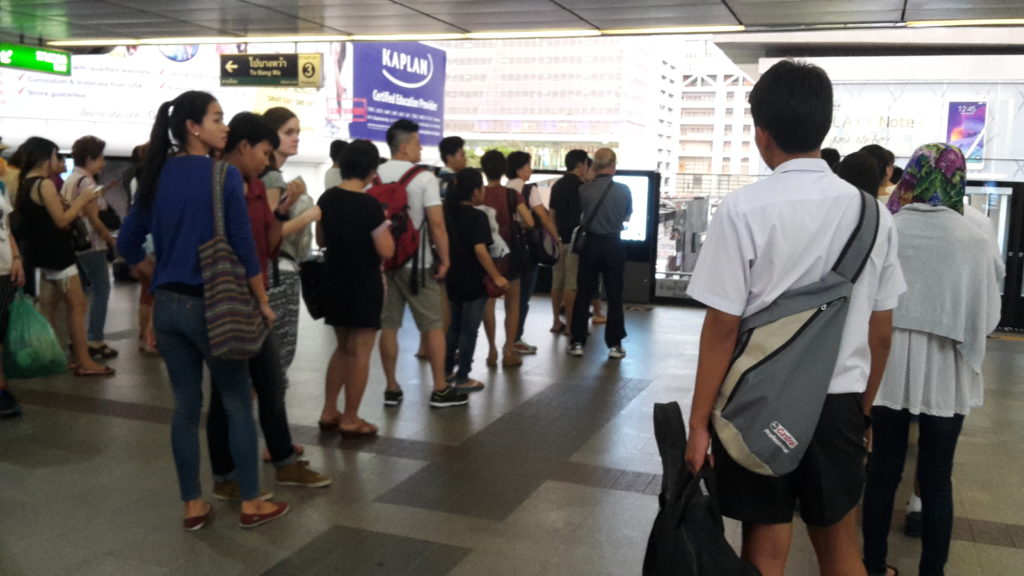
[688, 537]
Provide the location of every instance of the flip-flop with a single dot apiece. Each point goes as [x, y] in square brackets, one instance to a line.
[106, 371]
[103, 351]
[363, 430]
[558, 330]
[469, 385]
[329, 425]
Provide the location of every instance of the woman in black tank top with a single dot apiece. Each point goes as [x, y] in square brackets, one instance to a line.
[44, 230]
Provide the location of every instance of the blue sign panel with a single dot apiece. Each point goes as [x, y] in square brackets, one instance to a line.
[394, 80]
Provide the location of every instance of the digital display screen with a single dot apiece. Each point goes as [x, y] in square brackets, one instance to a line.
[636, 228]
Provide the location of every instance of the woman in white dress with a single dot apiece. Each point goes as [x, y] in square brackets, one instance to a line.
[938, 345]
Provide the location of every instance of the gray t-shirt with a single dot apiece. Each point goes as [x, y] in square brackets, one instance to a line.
[614, 212]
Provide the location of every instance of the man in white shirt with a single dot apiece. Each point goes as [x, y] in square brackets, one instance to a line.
[424, 207]
[784, 232]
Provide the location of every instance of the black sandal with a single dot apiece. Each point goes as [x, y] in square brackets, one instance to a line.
[103, 351]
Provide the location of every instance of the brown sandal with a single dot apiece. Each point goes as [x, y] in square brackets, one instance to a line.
[105, 371]
[330, 425]
[363, 430]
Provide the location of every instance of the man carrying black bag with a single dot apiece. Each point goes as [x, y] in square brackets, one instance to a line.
[785, 232]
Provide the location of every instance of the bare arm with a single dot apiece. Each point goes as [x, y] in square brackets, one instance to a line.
[274, 197]
[295, 225]
[439, 234]
[484, 257]
[320, 240]
[717, 343]
[384, 243]
[92, 212]
[55, 206]
[257, 290]
[879, 341]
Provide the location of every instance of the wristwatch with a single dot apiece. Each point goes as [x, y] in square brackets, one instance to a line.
[282, 217]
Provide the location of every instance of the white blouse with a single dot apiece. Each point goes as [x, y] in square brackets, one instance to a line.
[926, 374]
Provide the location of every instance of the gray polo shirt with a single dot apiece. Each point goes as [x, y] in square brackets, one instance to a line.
[615, 211]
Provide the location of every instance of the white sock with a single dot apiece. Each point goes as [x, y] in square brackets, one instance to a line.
[914, 505]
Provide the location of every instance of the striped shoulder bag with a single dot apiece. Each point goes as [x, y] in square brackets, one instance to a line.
[234, 324]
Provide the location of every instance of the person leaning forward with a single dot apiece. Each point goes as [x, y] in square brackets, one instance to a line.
[784, 232]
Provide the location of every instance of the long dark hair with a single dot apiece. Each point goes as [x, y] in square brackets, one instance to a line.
[30, 154]
[169, 135]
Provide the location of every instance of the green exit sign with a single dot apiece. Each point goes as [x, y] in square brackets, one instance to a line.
[35, 59]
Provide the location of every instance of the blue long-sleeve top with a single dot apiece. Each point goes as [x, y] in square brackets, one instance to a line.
[181, 219]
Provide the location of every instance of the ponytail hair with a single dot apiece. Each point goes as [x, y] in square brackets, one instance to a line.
[467, 181]
[168, 136]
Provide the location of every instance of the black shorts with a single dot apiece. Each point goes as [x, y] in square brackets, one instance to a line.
[828, 482]
[7, 293]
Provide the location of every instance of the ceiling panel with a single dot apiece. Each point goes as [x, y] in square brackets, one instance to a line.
[659, 16]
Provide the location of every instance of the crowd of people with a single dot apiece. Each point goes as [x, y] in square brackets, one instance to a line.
[449, 243]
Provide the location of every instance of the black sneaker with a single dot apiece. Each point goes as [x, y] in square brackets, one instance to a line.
[450, 397]
[9, 407]
[912, 527]
[393, 397]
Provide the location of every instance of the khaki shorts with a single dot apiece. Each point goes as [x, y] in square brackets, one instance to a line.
[425, 304]
[563, 277]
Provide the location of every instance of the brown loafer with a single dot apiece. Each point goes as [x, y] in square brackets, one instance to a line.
[254, 520]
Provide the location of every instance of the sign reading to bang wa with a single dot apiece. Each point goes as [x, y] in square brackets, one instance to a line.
[399, 80]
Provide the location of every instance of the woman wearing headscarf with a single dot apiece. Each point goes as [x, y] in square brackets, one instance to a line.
[938, 345]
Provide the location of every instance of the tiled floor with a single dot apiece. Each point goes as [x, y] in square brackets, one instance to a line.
[552, 469]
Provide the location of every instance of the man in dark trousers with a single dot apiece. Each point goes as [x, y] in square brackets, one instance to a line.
[606, 205]
[565, 209]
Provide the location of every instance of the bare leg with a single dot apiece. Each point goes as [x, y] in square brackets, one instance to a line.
[77, 308]
[490, 326]
[435, 353]
[358, 343]
[596, 304]
[511, 317]
[557, 294]
[335, 380]
[389, 356]
[569, 301]
[767, 547]
[838, 548]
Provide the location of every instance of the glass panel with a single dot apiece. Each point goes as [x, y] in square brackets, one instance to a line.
[994, 202]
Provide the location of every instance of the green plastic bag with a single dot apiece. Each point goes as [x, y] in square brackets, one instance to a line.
[32, 349]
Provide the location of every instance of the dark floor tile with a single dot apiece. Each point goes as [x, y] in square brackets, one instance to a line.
[1016, 534]
[633, 482]
[991, 533]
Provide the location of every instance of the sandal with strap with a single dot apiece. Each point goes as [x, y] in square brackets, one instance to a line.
[363, 430]
[105, 371]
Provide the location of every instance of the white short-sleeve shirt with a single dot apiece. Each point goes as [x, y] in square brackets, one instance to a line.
[423, 191]
[785, 232]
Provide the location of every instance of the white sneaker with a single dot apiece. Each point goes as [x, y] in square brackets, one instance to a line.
[523, 348]
[616, 352]
[575, 349]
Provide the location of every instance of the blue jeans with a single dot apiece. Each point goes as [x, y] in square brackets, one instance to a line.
[462, 332]
[180, 324]
[936, 447]
[527, 284]
[94, 265]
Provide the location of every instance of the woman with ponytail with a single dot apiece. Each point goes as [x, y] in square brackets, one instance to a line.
[175, 205]
[46, 223]
[470, 235]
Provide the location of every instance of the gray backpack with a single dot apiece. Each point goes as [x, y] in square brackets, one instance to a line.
[773, 394]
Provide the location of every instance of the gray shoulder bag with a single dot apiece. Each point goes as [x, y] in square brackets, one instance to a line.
[773, 394]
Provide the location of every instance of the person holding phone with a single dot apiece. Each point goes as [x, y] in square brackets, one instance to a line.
[87, 153]
[46, 223]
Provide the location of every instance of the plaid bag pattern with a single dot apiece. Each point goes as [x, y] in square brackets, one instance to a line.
[234, 324]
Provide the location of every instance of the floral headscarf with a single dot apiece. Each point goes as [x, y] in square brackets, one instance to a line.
[936, 175]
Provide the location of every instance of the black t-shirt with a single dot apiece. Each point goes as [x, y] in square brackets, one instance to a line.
[467, 227]
[565, 201]
[349, 220]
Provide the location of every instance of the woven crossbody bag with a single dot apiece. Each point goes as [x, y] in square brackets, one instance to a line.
[234, 324]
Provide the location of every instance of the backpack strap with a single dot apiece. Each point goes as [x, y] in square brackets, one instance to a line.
[410, 174]
[858, 248]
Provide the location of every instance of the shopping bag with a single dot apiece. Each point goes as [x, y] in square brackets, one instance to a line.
[313, 276]
[32, 349]
[688, 537]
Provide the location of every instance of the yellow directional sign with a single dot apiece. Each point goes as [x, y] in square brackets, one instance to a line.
[299, 70]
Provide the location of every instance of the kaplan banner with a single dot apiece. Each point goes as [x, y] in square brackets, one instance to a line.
[395, 80]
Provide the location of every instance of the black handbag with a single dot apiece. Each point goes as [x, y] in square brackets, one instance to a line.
[518, 243]
[80, 240]
[688, 537]
[543, 248]
[313, 277]
[110, 218]
[579, 234]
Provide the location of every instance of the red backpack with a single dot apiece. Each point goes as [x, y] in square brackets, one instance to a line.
[395, 199]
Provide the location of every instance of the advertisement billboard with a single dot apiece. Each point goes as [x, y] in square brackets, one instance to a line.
[399, 80]
[965, 129]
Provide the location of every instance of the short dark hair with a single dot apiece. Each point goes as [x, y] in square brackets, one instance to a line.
[251, 128]
[792, 102]
[574, 158]
[87, 148]
[883, 158]
[359, 159]
[399, 133]
[336, 147]
[831, 156]
[860, 170]
[515, 161]
[450, 146]
[897, 173]
[466, 181]
[493, 164]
